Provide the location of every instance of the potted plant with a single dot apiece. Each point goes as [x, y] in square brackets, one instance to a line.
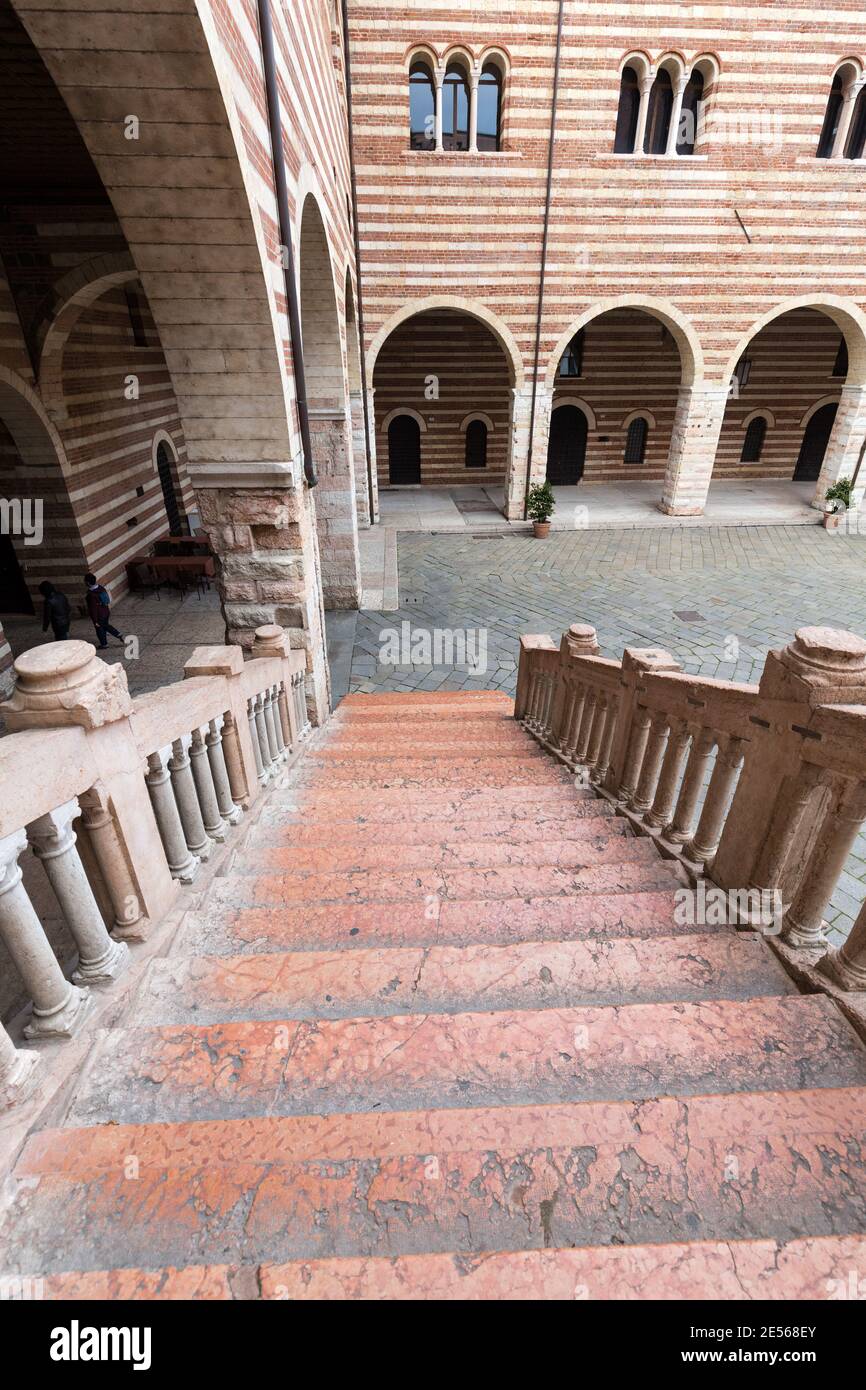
[838, 499]
[539, 508]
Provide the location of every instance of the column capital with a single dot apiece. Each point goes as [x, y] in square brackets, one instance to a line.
[11, 849]
[62, 683]
[52, 834]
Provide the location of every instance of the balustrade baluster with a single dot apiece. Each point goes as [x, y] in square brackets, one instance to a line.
[234, 761]
[254, 738]
[285, 722]
[100, 959]
[573, 735]
[59, 1006]
[18, 1071]
[663, 803]
[229, 811]
[102, 831]
[846, 966]
[596, 736]
[600, 771]
[634, 755]
[278, 724]
[270, 727]
[682, 826]
[262, 734]
[586, 720]
[205, 790]
[729, 758]
[185, 795]
[182, 864]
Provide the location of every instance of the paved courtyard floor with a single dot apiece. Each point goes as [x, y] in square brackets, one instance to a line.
[718, 598]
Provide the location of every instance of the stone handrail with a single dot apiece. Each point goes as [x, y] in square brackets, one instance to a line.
[761, 789]
[120, 801]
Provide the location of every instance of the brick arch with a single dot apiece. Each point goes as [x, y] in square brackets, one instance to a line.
[27, 420]
[221, 331]
[849, 318]
[681, 329]
[581, 405]
[816, 406]
[501, 332]
[75, 293]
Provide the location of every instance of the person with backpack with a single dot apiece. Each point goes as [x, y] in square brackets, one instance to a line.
[55, 611]
[99, 608]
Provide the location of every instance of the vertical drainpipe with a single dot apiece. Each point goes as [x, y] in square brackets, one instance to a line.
[359, 296]
[543, 269]
[279, 161]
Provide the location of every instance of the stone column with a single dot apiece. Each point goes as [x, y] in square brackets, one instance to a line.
[663, 803]
[845, 443]
[439, 79]
[228, 809]
[125, 898]
[694, 439]
[803, 925]
[100, 960]
[59, 1007]
[599, 772]
[645, 85]
[651, 764]
[205, 790]
[681, 828]
[18, 1072]
[846, 966]
[473, 111]
[270, 726]
[237, 745]
[518, 453]
[182, 864]
[676, 112]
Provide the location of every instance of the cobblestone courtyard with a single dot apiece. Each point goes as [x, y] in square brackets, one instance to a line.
[718, 599]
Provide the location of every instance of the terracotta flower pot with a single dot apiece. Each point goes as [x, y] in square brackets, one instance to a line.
[831, 521]
[541, 530]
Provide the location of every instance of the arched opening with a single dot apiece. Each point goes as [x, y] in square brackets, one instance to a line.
[451, 371]
[856, 144]
[404, 451]
[783, 401]
[627, 366]
[627, 112]
[566, 447]
[329, 412]
[177, 522]
[661, 103]
[831, 119]
[687, 128]
[422, 106]
[490, 107]
[455, 108]
[813, 448]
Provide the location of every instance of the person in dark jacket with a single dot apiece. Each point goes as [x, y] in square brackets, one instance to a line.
[99, 608]
[55, 611]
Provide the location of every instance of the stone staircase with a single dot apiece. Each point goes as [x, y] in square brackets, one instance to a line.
[437, 1033]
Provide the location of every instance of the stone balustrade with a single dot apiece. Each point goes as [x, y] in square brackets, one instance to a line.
[759, 788]
[120, 802]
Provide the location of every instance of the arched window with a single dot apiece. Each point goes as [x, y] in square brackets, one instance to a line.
[571, 361]
[422, 107]
[661, 102]
[687, 130]
[627, 115]
[176, 523]
[455, 109]
[489, 107]
[857, 137]
[831, 120]
[476, 444]
[753, 440]
[635, 441]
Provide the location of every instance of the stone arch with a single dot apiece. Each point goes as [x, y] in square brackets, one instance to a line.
[818, 405]
[76, 292]
[29, 423]
[474, 308]
[765, 414]
[320, 320]
[407, 410]
[581, 405]
[475, 415]
[849, 318]
[680, 328]
[639, 415]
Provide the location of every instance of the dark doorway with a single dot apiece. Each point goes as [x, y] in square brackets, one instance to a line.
[816, 437]
[404, 450]
[566, 448]
[176, 523]
[14, 597]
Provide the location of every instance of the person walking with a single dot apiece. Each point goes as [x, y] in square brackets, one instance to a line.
[55, 611]
[99, 608]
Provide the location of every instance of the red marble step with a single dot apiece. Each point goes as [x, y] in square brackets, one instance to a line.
[311, 834]
[383, 749]
[429, 887]
[451, 699]
[432, 773]
[227, 928]
[437, 1061]
[414, 716]
[779, 1166]
[457, 979]
[404, 735]
[810, 1269]
[573, 855]
[382, 804]
[197, 1283]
